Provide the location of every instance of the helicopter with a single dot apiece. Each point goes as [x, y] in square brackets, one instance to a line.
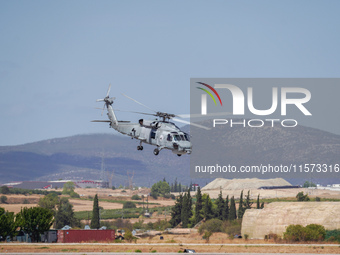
[161, 132]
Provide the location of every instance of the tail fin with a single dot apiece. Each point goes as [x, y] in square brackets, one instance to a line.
[108, 101]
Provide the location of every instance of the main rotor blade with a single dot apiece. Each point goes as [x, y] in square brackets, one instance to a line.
[191, 123]
[108, 91]
[138, 102]
[136, 112]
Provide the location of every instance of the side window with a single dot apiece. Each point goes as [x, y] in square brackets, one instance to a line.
[153, 134]
[169, 138]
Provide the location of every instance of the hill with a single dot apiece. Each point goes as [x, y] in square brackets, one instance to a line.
[246, 146]
[81, 157]
[240, 184]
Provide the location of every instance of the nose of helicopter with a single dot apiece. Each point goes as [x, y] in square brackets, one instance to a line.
[185, 147]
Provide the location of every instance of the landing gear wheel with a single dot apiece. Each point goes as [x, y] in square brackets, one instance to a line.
[140, 148]
[179, 155]
[156, 152]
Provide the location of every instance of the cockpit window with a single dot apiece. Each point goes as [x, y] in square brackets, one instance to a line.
[187, 137]
[169, 138]
[183, 137]
[177, 138]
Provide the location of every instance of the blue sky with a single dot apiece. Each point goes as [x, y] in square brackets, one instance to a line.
[58, 57]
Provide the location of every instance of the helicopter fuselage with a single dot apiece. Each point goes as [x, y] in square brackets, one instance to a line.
[160, 133]
[164, 135]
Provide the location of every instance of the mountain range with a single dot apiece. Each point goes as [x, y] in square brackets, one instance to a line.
[99, 156]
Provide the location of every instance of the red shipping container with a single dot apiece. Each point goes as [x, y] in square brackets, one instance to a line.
[85, 235]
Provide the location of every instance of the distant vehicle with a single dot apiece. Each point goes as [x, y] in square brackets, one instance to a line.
[87, 227]
[66, 227]
[160, 132]
[189, 251]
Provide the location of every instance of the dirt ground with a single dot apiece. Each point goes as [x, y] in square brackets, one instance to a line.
[16, 202]
[219, 243]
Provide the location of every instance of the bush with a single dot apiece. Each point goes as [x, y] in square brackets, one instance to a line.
[3, 199]
[128, 235]
[129, 204]
[213, 225]
[136, 197]
[333, 235]
[315, 232]
[207, 235]
[312, 232]
[301, 197]
[232, 227]
[294, 233]
[4, 190]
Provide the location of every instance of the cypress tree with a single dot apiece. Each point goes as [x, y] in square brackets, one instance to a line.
[179, 187]
[240, 211]
[258, 202]
[207, 208]
[199, 206]
[220, 206]
[175, 186]
[226, 209]
[95, 224]
[184, 212]
[232, 213]
[176, 212]
[248, 204]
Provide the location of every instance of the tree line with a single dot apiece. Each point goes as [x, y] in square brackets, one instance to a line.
[189, 214]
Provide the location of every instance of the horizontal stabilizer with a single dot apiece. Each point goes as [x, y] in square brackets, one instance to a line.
[101, 121]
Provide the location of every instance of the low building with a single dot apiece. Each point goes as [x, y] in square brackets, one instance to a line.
[82, 235]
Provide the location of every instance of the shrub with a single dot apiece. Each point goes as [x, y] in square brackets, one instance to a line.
[317, 199]
[232, 227]
[129, 204]
[333, 235]
[128, 235]
[312, 232]
[213, 225]
[301, 197]
[246, 236]
[138, 251]
[3, 199]
[136, 197]
[294, 233]
[315, 232]
[4, 190]
[207, 235]
[26, 201]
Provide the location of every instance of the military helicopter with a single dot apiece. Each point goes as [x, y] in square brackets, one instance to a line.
[160, 132]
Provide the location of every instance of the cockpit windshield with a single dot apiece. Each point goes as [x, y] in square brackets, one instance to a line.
[177, 138]
[180, 136]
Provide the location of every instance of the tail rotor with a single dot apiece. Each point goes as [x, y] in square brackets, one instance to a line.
[107, 100]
